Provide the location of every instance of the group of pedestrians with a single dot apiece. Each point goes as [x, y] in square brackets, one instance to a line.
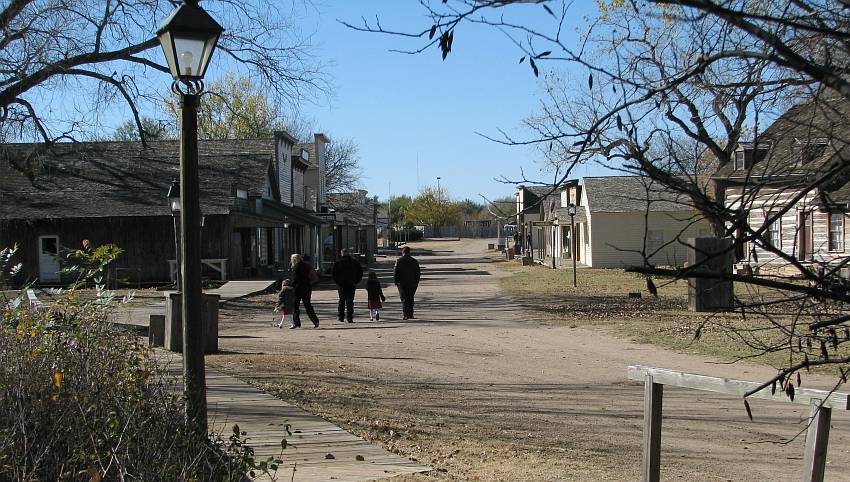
[347, 274]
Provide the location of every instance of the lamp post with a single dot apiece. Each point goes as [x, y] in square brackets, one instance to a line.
[571, 210]
[174, 205]
[439, 209]
[188, 38]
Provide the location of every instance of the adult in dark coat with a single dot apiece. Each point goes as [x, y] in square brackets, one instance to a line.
[406, 276]
[347, 272]
[303, 286]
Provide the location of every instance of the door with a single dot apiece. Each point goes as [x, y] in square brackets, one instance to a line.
[48, 259]
[804, 235]
[575, 245]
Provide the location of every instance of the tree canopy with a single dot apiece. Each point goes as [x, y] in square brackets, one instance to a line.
[433, 207]
[64, 63]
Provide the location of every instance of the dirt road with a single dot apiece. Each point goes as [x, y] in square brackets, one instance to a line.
[479, 390]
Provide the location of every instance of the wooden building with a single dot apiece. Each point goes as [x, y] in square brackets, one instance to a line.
[54, 197]
[793, 185]
[355, 224]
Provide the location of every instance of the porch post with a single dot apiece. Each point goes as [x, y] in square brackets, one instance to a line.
[652, 401]
[817, 438]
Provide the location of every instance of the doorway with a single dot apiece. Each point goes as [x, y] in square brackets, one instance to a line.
[804, 236]
[48, 259]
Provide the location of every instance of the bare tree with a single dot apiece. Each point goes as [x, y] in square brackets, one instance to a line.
[64, 62]
[672, 89]
[342, 160]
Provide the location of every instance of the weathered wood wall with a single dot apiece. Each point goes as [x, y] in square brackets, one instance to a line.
[148, 242]
[766, 199]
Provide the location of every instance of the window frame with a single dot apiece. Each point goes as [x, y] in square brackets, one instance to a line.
[650, 247]
[770, 231]
[829, 225]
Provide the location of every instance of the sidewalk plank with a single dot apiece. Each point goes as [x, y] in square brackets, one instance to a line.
[264, 418]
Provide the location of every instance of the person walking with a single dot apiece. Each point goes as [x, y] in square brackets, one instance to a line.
[347, 272]
[406, 276]
[285, 303]
[302, 279]
[375, 295]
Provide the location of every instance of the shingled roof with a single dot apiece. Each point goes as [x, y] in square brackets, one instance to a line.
[807, 139]
[355, 206]
[106, 179]
[625, 194]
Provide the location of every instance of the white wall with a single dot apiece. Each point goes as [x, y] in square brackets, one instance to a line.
[616, 239]
[284, 175]
[298, 188]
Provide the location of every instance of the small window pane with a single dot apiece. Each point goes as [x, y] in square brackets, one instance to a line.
[774, 231]
[836, 231]
[654, 240]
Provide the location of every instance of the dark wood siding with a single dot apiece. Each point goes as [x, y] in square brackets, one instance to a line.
[148, 242]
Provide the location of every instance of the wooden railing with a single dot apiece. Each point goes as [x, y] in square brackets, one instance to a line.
[820, 402]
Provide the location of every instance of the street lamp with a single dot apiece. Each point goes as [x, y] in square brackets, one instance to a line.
[188, 38]
[173, 197]
[571, 210]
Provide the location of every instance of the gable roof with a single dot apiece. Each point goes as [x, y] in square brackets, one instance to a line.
[356, 206]
[803, 142]
[626, 194]
[106, 179]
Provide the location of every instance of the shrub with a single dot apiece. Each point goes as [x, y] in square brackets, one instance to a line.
[80, 400]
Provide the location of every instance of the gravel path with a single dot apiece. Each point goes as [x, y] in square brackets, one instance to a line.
[477, 388]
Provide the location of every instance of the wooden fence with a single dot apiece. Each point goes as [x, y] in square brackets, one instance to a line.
[820, 402]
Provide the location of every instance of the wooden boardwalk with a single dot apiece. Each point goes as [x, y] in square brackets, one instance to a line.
[317, 449]
[233, 290]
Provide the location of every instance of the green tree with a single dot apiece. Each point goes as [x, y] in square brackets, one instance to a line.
[432, 206]
[152, 128]
[397, 206]
[234, 108]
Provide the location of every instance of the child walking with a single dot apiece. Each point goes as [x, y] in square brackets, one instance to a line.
[376, 296]
[285, 303]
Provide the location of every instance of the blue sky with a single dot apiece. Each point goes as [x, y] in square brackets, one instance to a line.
[400, 108]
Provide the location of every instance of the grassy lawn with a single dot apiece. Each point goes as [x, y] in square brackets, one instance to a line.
[602, 300]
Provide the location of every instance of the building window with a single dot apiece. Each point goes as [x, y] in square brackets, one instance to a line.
[774, 231]
[654, 240]
[747, 156]
[836, 231]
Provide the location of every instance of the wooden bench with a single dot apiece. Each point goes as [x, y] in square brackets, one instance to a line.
[35, 303]
[820, 402]
[217, 264]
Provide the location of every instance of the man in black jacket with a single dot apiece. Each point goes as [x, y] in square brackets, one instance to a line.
[347, 272]
[406, 276]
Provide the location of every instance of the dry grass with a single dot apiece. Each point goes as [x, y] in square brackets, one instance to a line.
[602, 300]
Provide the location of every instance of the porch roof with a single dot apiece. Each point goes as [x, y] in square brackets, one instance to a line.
[123, 179]
[292, 214]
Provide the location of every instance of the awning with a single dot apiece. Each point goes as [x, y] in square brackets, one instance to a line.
[292, 214]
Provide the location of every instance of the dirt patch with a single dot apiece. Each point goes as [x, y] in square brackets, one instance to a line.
[481, 388]
[459, 430]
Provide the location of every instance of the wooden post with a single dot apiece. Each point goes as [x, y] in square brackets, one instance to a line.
[710, 255]
[817, 438]
[156, 330]
[652, 401]
[194, 382]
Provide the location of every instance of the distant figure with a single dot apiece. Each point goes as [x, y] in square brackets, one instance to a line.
[347, 272]
[302, 279]
[406, 276]
[528, 245]
[375, 295]
[285, 303]
[517, 243]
